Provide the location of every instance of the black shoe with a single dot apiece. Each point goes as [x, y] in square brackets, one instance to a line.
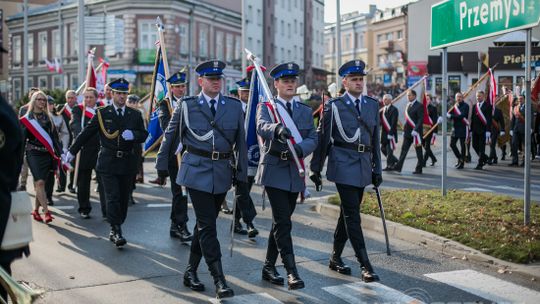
[513, 164]
[293, 279]
[468, 159]
[184, 234]
[191, 279]
[368, 275]
[72, 190]
[226, 210]
[85, 215]
[336, 264]
[239, 229]
[503, 157]
[387, 169]
[21, 188]
[270, 274]
[60, 190]
[251, 230]
[479, 167]
[461, 165]
[457, 164]
[489, 161]
[433, 162]
[50, 201]
[222, 290]
[417, 171]
[116, 237]
[494, 161]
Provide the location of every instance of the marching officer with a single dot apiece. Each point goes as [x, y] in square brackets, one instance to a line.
[349, 137]
[389, 138]
[481, 128]
[498, 130]
[278, 172]
[66, 112]
[459, 114]
[89, 151]
[433, 115]
[245, 208]
[167, 163]
[517, 130]
[412, 132]
[119, 128]
[210, 127]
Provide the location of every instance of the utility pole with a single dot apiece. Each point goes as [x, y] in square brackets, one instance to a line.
[338, 44]
[82, 50]
[25, 48]
[61, 36]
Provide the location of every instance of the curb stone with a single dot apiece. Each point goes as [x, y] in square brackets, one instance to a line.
[432, 241]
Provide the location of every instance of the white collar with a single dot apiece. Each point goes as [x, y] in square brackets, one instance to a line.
[116, 108]
[354, 98]
[285, 101]
[208, 98]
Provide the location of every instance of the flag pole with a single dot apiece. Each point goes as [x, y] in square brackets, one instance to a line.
[161, 28]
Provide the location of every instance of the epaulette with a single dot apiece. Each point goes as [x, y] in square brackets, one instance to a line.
[332, 100]
[233, 98]
[369, 98]
[189, 98]
[303, 104]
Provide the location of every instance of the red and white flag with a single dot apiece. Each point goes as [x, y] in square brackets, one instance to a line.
[58, 66]
[50, 65]
[492, 89]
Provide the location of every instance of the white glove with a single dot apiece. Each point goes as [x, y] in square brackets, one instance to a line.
[439, 120]
[390, 136]
[511, 133]
[488, 135]
[414, 133]
[502, 133]
[128, 135]
[179, 149]
[448, 115]
[68, 157]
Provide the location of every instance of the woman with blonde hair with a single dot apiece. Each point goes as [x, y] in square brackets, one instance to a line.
[42, 149]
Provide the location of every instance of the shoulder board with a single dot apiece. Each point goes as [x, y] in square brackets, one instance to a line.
[303, 104]
[332, 100]
[369, 98]
[189, 98]
[232, 98]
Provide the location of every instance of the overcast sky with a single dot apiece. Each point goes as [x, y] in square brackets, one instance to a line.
[348, 6]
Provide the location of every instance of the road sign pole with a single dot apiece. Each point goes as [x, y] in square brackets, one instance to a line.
[444, 125]
[528, 118]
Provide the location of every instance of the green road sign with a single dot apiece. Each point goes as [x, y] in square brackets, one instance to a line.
[458, 21]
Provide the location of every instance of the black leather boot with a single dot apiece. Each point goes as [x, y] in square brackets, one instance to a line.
[191, 279]
[251, 230]
[184, 234]
[368, 275]
[116, 237]
[238, 228]
[270, 274]
[293, 279]
[222, 290]
[336, 263]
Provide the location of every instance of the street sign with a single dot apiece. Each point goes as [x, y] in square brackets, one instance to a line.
[458, 21]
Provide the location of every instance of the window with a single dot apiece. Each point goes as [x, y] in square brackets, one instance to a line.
[259, 17]
[57, 82]
[16, 51]
[74, 41]
[30, 81]
[230, 50]
[17, 88]
[389, 36]
[219, 45]
[42, 42]
[55, 44]
[30, 48]
[259, 47]
[379, 37]
[183, 30]
[295, 27]
[148, 34]
[238, 48]
[42, 82]
[289, 55]
[346, 42]
[289, 29]
[250, 42]
[282, 54]
[282, 28]
[400, 34]
[203, 41]
[250, 13]
[295, 53]
[74, 81]
[301, 27]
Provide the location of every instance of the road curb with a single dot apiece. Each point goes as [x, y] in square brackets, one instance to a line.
[432, 241]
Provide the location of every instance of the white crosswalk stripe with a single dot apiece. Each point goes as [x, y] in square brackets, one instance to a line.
[255, 298]
[361, 292]
[486, 286]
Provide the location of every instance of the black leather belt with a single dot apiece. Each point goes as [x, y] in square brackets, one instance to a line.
[356, 147]
[117, 153]
[283, 155]
[214, 155]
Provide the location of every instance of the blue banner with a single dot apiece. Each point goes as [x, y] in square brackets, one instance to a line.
[256, 96]
[159, 84]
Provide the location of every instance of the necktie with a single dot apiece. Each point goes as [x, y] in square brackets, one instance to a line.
[213, 107]
[119, 110]
[358, 106]
[289, 108]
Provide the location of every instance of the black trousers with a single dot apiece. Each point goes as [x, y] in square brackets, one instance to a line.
[518, 140]
[407, 142]
[117, 189]
[71, 177]
[386, 149]
[49, 184]
[283, 204]
[102, 198]
[62, 180]
[245, 208]
[205, 242]
[479, 146]
[493, 145]
[179, 208]
[427, 146]
[348, 225]
[453, 144]
[84, 179]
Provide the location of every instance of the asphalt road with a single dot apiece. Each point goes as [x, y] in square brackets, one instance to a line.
[73, 261]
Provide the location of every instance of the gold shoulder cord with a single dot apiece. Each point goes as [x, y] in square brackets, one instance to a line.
[107, 134]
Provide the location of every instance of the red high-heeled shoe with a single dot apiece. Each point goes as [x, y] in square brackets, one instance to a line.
[48, 217]
[36, 216]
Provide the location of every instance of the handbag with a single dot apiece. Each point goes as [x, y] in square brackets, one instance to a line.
[18, 233]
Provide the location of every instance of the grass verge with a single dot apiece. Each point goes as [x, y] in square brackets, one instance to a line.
[492, 224]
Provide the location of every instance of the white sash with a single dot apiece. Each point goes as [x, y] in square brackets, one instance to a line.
[288, 122]
[480, 114]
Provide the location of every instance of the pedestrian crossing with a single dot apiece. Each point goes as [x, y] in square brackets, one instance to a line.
[469, 281]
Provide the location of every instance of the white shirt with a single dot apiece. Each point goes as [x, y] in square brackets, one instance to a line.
[354, 100]
[116, 109]
[208, 98]
[285, 102]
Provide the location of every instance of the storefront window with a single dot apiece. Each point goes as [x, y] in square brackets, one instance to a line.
[454, 84]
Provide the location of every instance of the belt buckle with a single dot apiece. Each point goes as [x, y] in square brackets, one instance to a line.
[119, 154]
[361, 148]
[215, 155]
[284, 155]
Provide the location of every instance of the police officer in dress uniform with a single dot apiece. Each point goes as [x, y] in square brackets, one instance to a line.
[498, 130]
[167, 163]
[433, 115]
[119, 128]
[391, 114]
[459, 117]
[210, 126]
[349, 137]
[415, 111]
[481, 128]
[89, 151]
[278, 172]
[245, 208]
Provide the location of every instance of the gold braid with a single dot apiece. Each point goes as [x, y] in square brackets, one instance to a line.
[107, 134]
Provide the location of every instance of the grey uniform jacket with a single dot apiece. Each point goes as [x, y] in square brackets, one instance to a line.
[346, 166]
[202, 173]
[273, 171]
[170, 140]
